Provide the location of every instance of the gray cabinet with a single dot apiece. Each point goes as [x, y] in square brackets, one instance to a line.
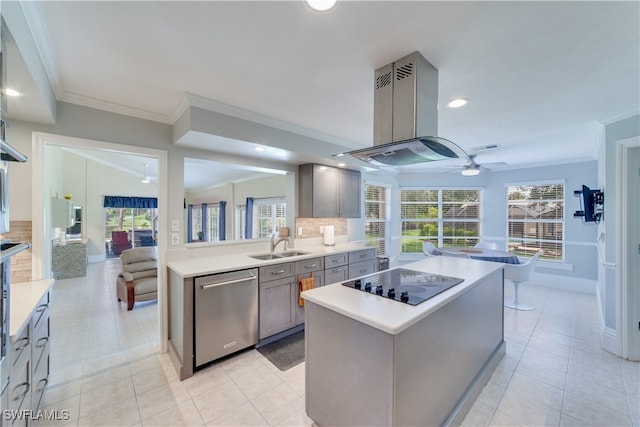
[29, 356]
[328, 192]
[278, 292]
[336, 268]
[305, 269]
[362, 262]
[40, 351]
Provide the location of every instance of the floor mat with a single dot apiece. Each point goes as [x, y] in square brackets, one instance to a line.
[285, 353]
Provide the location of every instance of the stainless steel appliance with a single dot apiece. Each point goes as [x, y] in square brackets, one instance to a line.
[226, 314]
[404, 285]
[405, 112]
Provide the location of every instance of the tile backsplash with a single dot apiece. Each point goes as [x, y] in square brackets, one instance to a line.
[20, 231]
[311, 227]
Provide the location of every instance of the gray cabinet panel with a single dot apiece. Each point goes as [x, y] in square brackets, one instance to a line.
[362, 255]
[276, 305]
[361, 269]
[336, 274]
[319, 276]
[328, 192]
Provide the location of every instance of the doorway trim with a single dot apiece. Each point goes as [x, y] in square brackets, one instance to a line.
[40, 211]
[628, 313]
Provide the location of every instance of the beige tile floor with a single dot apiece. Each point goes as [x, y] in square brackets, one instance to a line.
[105, 370]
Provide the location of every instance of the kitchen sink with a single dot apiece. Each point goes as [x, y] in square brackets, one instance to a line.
[265, 256]
[292, 253]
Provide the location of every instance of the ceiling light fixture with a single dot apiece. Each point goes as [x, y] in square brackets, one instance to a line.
[258, 148]
[11, 92]
[321, 5]
[471, 170]
[457, 103]
[146, 178]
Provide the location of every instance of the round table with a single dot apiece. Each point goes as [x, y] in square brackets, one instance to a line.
[481, 254]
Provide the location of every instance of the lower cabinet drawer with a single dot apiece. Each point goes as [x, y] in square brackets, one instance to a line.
[362, 255]
[337, 274]
[336, 260]
[21, 345]
[361, 269]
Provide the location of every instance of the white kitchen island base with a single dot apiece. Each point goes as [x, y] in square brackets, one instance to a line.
[428, 373]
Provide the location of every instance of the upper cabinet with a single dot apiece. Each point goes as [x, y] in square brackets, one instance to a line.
[328, 192]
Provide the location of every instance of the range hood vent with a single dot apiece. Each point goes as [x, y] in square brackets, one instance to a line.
[405, 114]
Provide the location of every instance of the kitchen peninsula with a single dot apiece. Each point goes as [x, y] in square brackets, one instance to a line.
[375, 360]
[221, 302]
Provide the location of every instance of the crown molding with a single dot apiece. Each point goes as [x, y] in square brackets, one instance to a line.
[114, 108]
[40, 34]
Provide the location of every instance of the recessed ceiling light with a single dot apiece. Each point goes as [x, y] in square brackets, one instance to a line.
[341, 165]
[321, 5]
[11, 92]
[339, 155]
[259, 148]
[457, 103]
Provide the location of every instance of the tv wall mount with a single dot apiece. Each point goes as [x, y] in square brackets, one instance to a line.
[591, 204]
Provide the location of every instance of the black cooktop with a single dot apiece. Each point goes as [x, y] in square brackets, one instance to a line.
[404, 285]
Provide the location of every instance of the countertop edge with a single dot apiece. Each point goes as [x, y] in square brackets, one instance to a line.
[225, 263]
[24, 297]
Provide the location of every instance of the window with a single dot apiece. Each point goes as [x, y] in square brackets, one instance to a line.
[376, 206]
[443, 217]
[535, 219]
[203, 223]
[269, 214]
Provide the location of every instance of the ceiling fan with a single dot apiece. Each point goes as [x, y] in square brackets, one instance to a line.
[472, 168]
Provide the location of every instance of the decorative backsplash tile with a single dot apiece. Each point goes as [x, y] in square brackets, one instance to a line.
[20, 263]
[311, 226]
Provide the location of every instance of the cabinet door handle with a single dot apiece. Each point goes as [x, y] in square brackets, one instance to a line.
[26, 390]
[337, 270]
[363, 271]
[310, 265]
[41, 308]
[228, 282]
[26, 340]
[278, 272]
[45, 381]
[334, 260]
[363, 255]
[38, 343]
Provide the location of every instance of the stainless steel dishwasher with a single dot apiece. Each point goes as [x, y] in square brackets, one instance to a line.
[226, 314]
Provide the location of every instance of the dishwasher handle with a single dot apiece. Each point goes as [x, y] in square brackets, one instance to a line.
[229, 282]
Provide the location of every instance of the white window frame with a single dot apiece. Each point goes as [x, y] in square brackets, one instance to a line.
[387, 215]
[441, 220]
[563, 221]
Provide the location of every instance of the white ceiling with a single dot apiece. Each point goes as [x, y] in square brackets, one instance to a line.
[541, 77]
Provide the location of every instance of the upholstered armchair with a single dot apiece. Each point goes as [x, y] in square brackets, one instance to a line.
[138, 280]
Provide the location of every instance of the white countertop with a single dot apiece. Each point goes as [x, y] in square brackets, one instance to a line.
[24, 297]
[391, 316]
[221, 263]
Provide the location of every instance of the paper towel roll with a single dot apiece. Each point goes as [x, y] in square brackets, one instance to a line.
[329, 238]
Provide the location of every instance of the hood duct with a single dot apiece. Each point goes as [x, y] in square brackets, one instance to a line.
[405, 111]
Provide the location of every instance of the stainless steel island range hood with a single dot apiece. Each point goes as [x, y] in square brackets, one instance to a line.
[405, 112]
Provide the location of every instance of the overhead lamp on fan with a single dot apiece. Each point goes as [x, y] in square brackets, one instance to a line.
[472, 168]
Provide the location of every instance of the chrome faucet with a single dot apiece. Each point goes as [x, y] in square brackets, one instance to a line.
[275, 243]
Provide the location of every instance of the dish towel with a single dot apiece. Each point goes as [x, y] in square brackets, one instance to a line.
[305, 285]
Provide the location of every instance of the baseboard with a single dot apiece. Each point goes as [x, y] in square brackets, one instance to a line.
[567, 283]
[96, 258]
[609, 340]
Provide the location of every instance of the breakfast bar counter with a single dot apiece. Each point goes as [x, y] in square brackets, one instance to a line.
[373, 360]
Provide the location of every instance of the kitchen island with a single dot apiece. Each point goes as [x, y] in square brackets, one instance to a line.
[372, 360]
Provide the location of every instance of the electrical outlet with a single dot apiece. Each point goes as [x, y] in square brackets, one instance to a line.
[175, 238]
[175, 225]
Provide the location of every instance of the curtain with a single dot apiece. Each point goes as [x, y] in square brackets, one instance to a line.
[189, 223]
[248, 223]
[222, 221]
[130, 202]
[204, 228]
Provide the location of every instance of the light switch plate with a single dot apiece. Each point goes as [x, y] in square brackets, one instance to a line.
[175, 225]
[175, 238]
